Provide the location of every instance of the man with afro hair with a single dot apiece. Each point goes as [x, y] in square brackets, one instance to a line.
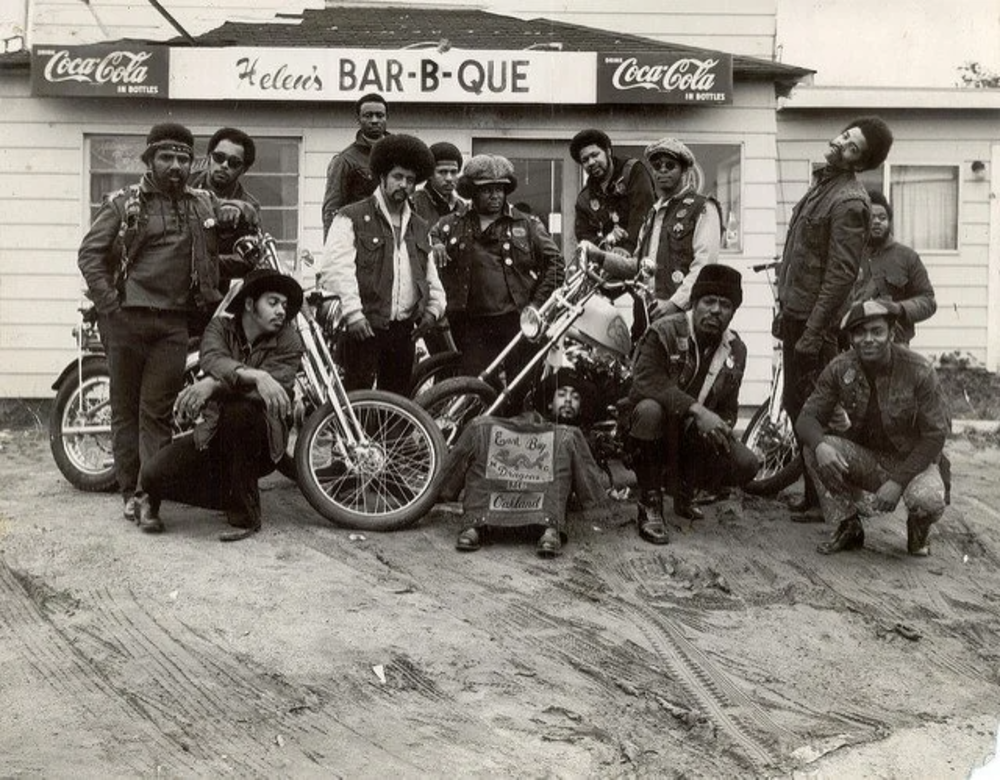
[377, 260]
[823, 248]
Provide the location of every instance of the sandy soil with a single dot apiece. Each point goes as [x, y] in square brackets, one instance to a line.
[311, 651]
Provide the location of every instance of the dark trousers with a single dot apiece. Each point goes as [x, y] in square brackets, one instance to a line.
[481, 339]
[146, 350]
[387, 359]
[669, 452]
[222, 476]
[801, 373]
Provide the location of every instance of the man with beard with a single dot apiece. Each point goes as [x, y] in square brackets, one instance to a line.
[377, 260]
[349, 176]
[893, 274]
[231, 153]
[682, 232]
[497, 261]
[437, 198]
[242, 405]
[819, 264]
[150, 260]
[685, 399]
[567, 398]
[898, 426]
[618, 194]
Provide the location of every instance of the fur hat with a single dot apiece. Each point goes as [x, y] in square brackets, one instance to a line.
[590, 137]
[264, 280]
[862, 311]
[878, 137]
[721, 280]
[406, 151]
[672, 148]
[486, 169]
[168, 135]
[444, 151]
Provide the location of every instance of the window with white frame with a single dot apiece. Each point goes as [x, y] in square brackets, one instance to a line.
[274, 179]
[924, 202]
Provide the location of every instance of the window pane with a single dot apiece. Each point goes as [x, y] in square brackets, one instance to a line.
[539, 183]
[718, 172]
[925, 205]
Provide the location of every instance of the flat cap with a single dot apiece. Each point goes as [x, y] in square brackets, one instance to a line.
[672, 148]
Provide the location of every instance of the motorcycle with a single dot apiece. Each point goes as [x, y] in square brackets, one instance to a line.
[579, 327]
[368, 459]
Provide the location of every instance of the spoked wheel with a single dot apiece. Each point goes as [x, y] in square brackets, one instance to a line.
[454, 403]
[387, 481]
[80, 428]
[434, 369]
[772, 439]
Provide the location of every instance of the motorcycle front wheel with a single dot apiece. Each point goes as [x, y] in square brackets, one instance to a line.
[80, 428]
[772, 439]
[386, 481]
[434, 369]
[454, 403]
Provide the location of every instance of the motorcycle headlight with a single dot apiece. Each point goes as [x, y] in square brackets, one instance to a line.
[531, 323]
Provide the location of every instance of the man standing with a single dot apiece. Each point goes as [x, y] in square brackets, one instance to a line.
[612, 205]
[150, 259]
[819, 265]
[496, 262]
[349, 176]
[682, 232]
[685, 395]
[243, 405]
[231, 153]
[899, 423]
[893, 274]
[377, 259]
[438, 198]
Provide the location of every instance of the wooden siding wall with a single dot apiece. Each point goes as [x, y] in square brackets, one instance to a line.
[44, 191]
[960, 278]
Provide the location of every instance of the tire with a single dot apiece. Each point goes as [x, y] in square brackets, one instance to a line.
[85, 459]
[773, 441]
[433, 369]
[454, 403]
[387, 484]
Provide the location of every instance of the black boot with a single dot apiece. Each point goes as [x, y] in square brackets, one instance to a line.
[652, 527]
[684, 502]
[848, 536]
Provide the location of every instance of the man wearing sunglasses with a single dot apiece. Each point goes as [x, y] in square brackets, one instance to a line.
[682, 232]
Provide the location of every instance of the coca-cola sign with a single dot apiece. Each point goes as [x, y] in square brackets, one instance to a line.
[104, 70]
[643, 77]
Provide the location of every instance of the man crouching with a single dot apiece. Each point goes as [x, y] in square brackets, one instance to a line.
[685, 396]
[899, 422]
[242, 407]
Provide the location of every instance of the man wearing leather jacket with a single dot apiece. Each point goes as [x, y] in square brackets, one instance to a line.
[898, 426]
[618, 194]
[494, 261]
[377, 259]
[819, 264]
[685, 399]
[348, 175]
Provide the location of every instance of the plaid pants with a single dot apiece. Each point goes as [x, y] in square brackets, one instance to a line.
[868, 470]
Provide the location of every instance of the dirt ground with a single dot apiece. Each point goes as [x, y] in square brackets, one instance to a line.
[313, 651]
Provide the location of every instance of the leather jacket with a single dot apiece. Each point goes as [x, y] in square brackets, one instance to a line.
[348, 179]
[914, 413]
[896, 272]
[624, 204]
[823, 247]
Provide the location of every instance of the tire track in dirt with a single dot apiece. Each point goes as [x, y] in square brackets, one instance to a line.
[195, 706]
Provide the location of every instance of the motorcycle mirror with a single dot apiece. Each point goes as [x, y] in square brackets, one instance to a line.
[306, 258]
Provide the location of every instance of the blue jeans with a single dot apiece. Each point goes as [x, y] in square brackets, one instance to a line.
[146, 350]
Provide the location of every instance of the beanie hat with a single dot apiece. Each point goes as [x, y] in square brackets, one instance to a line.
[168, 135]
[590, 137]
[672, 148]
[406, 151]
[862, 311]
[721, 280]
[486, 169]
[443, 151]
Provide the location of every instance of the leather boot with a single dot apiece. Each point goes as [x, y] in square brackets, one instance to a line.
[917, 531]
[848, 536]
[243, 526]
[148, 515]
[684, 502]
[652, 527]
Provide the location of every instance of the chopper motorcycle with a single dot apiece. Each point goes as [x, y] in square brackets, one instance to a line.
[578, 327]
[368, 459]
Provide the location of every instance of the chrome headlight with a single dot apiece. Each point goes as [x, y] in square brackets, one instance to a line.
[531, 323]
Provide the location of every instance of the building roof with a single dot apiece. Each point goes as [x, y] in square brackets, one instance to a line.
[946, 98]
[15, 60]
[401, 27]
